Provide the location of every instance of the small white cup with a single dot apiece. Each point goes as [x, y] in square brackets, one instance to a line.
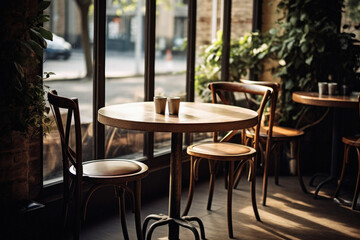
[174, 105]
[323, 88]
[160, 104]
[332, 89]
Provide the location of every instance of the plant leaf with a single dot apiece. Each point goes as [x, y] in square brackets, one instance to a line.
[46, 33]
[37, 37]
[43, 5]
[36, 47]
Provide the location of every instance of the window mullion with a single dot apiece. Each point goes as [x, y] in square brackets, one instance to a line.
[150, 30]
[99, 76]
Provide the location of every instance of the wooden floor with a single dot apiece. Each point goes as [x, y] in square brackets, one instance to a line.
[289, 214]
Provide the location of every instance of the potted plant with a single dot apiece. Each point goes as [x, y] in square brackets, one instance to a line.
[246, 54]
[311, 49]
[23, 110]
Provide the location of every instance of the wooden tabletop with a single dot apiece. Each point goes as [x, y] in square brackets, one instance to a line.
[193, 117]
[313, 99]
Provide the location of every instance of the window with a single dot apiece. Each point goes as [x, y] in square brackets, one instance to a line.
[127, 79]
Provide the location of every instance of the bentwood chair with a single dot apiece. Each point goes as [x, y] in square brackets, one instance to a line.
[349, 142]
[280, 136]
[99, 173]
[227, 152]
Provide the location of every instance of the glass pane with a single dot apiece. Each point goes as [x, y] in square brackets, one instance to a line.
[209, 22]
[125, 65]
[170, 63]
[65, 57]
[124, 71]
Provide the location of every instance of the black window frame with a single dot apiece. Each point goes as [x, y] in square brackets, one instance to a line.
[149, 76]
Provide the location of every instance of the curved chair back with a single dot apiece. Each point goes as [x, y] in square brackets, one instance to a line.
[276, 88]
[71, 156]
[221, 88]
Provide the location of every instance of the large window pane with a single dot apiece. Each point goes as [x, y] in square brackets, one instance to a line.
[68, 64]
[125, 66]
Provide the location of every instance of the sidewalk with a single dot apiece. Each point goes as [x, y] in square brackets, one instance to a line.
[117, 65]
[120, 90]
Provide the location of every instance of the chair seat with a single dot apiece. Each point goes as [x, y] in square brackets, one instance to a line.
[106, 168]
[220, 151]
[352, 141]
[281, 133]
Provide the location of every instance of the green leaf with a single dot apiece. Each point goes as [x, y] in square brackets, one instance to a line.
[43, 18]
[293, 20]
[290, 44]
[309, 60]
[26, 46]
[37, 37]
[306, 28]
[273, 31]
[289, 84]
[46, 33]
[19, 69]
[36, 47]
[304, 48]
[303, 17]
[262, 55]
[43, 5]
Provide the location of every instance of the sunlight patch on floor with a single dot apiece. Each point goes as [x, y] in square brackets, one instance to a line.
[269, 217]
[292, 200]
[310, 216]
[270, 232]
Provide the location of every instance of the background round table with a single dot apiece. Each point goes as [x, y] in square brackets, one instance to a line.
[336, 103]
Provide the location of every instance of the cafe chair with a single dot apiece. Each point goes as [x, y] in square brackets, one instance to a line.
[349, 142]
[99, 173]
[280, 136]
[224, 151]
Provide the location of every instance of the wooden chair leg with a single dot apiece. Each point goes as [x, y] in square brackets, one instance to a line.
[277, 147]
[191, 186]
[65, 207]
[212, 167]
[229, 198]
[265, 181]
[298, 166]
[226, 172]
[252, 179]
[356, 193]
[77, 225]
[138, 210]
[345, 160]
[121, 196]
[238, 172]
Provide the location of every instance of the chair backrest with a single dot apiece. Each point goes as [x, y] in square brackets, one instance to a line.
[70, 155]
[276, 88]
[220, 89]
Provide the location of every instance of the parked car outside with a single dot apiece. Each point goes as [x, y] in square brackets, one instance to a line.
[57, 48]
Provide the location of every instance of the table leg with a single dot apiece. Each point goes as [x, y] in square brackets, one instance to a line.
[173, 219]
[175, 183]
[337, 130]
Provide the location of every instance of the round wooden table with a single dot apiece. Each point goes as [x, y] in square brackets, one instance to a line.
[313, 99]
[193, 117]
[336, 103]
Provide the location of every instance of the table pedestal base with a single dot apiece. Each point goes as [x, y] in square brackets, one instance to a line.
[329, 179]
[161, 220]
